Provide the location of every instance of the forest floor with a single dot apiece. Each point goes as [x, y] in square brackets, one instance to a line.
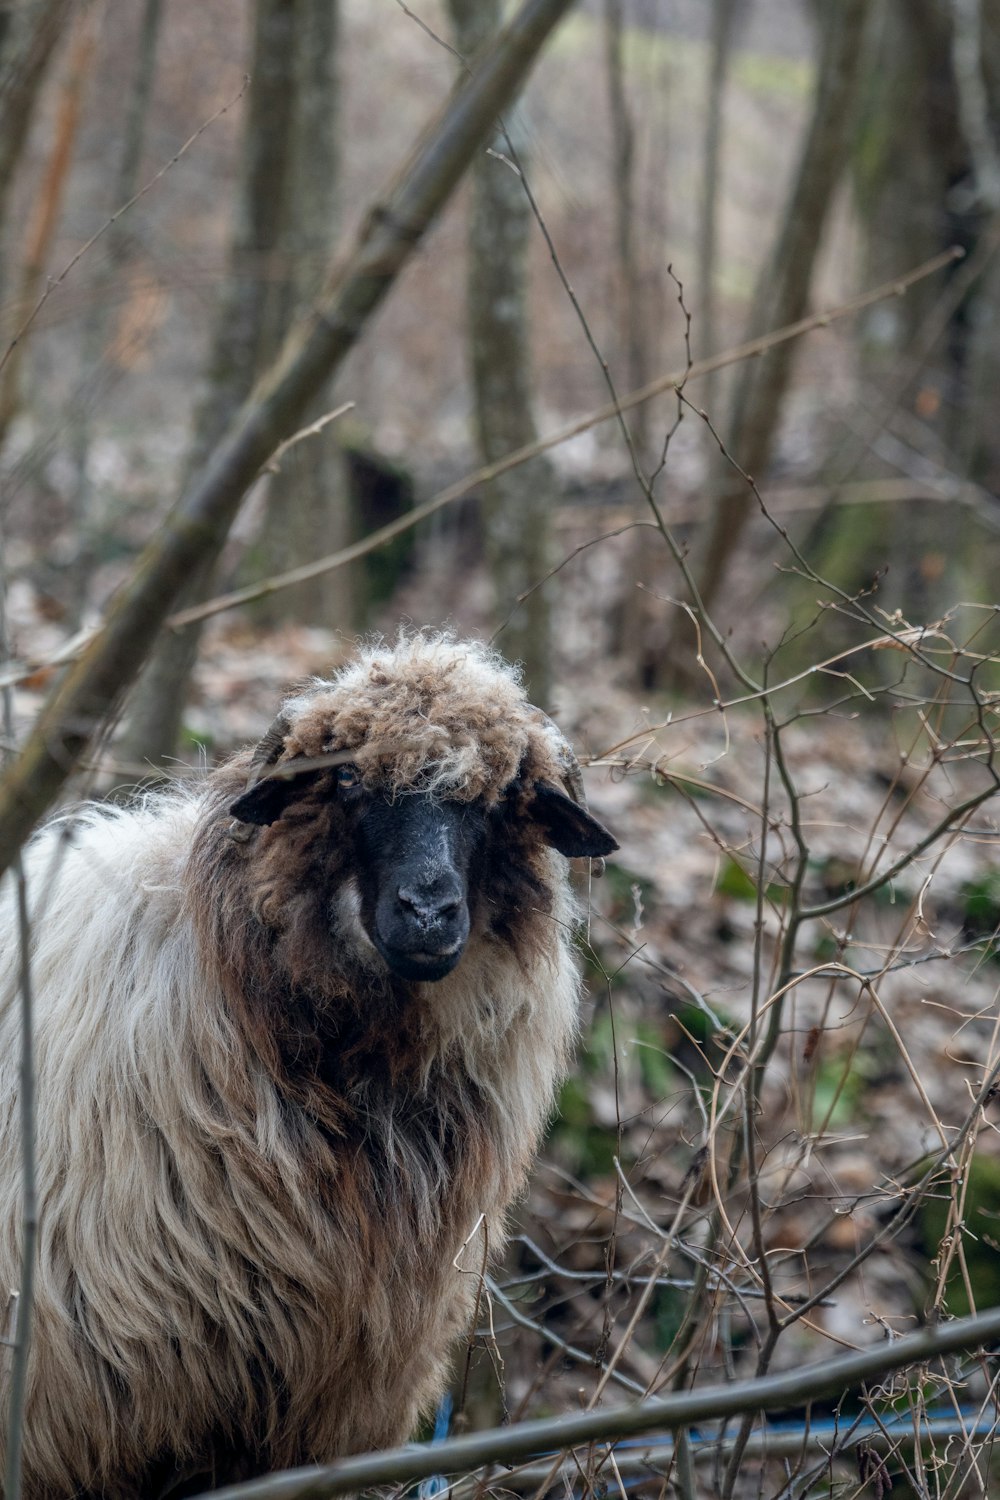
[886, 1034]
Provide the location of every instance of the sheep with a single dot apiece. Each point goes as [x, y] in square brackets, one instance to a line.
[295, 1034]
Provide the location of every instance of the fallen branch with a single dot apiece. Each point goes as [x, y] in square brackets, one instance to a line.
[504, 1445]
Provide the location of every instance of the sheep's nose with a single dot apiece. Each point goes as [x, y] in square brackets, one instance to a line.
[433, 905]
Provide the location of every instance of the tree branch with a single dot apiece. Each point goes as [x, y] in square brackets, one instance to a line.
[482, 476]
[506, 1444]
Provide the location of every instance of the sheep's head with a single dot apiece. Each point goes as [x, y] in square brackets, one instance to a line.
[435, 761]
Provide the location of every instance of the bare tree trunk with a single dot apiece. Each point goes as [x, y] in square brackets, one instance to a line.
[783, 287]
[724, 14]
[28, 38]
[249, 323]
[47, 206]
[118, 242]
[633, 315]
[643, 636]
[975, 34]
[28, 35]
[517, 505]
[928, 177]
[308, 512]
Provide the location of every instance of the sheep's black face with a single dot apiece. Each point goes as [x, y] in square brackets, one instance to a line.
[418, 867]
[418, 861]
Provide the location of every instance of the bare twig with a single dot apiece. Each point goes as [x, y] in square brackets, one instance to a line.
[482, 476]
[56, 281]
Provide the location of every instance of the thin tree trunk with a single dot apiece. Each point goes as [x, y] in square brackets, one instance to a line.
[648, 639]
[308, 511]
[249, 321]
[783, 287]
[28, 36]
[633, 316]
[46, 208]
[118, 242]
[197, 528]
[706, 330]
[928, 176]
[974, 429]
[637, 637]
[517, 506]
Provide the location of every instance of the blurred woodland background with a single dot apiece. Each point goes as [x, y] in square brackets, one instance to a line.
[762, 602]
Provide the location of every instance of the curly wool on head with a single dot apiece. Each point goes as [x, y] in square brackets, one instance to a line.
[426, 714]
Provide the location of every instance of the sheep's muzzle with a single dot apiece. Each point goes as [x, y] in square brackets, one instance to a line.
[419, 864]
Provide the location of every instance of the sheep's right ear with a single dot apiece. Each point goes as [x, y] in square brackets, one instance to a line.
[266, 800]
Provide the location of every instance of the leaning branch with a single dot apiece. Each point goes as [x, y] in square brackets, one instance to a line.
[199, 524]
[505, 1445]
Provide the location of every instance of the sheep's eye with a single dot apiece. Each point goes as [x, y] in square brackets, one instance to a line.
[347, 777]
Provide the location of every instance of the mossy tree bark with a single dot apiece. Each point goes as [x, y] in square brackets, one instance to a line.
[96, 359]
[724, 17]
[28, 36]
[46, 208]
[926, 169]
[308, 511]
[928, 175]
[783, 285]
[634, 323]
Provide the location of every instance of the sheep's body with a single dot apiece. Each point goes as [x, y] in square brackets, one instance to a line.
[257, 1167]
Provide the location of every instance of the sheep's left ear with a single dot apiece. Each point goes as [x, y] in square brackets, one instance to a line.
[267, 799]
[567, 827]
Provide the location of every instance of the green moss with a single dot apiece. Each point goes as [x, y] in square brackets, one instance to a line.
[826, 948]
[658, 1077]
[838, 1089]
[773, 77]
[980, 1236]
[981, 912]
[733, 881]
[193, 739]
[589, 1149]
[668, 1305]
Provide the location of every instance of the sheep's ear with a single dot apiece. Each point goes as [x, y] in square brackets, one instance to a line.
[567, 827]
[265, 801]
